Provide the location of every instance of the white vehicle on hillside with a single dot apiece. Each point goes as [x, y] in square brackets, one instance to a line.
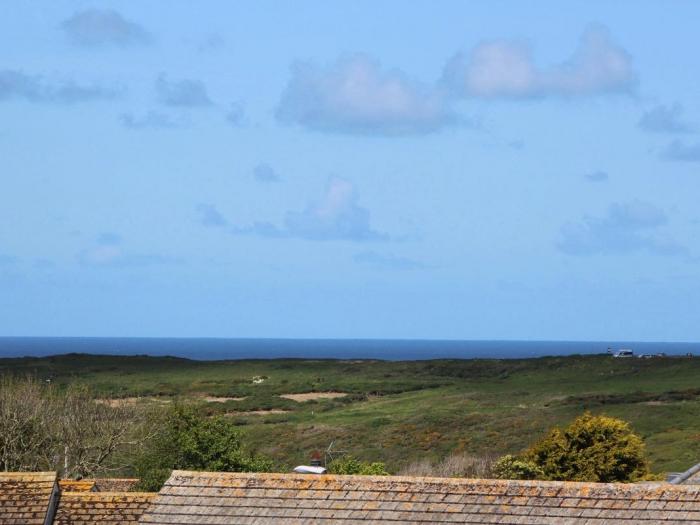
[624, 353]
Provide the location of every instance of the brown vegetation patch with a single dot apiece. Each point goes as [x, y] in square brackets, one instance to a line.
[309, 396]
[130, 401]
[257, 412]
[214, 399]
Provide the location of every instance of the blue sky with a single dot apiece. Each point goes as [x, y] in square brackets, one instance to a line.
[460, 170]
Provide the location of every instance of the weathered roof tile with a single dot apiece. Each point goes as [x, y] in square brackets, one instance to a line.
[222, 498]
[114, 508]
[26, 497]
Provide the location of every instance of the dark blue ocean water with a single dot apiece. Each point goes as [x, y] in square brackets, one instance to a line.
[208, 349]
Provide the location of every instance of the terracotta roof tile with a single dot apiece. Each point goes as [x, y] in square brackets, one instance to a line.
[71, 485]
[26, 497]
[262, 499]
[110, 508]
[115, 484]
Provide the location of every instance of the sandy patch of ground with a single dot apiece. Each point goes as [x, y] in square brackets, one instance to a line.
[300, 398]
[130, 401]
[213, 399]
[257, 412]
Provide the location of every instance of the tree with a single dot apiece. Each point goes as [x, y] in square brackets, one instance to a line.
[25, 414]
[592, 448]
[92, 433]
[189, 440]
[43, 427]
[350, 465]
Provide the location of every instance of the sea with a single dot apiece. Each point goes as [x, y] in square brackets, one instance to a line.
[385, 349]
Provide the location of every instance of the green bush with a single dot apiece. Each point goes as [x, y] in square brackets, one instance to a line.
[592, 448]
[189, 440]
[349, 465]
[512, 467]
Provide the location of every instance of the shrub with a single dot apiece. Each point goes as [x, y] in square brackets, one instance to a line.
[512, 467]
[350, 465]
[591, 448]
[453, 466]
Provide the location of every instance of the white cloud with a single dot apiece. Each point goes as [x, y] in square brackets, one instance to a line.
[6, 260]
[210, 216]
[388, 261]
[265, 173]
[236, 114]
[182, 93]
[665, 119]
[336, 216]
[506, 69]
[34, 88]
[626, 228]
[97, 27]
[152, 119]
[682, 152]
[355, 95]
[108, 251]
[597, 176]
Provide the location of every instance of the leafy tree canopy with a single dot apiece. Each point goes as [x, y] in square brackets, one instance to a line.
[191, 441]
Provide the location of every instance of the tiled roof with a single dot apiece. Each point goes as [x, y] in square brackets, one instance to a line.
[98, 484]
[71, 485]
[113, 508]
[115, 484]
[26, 497]
[225, 498]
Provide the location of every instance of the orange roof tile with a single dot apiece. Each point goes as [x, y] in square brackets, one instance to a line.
[71, 485]
[114, 508]
[115, 484]
[224, 498]
[26, 497]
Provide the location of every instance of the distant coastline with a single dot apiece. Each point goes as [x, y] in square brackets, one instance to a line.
[385, 349]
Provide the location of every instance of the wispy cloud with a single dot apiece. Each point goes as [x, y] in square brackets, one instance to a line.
[507, 69]
[626, 228]
[182, 93]
[6, 260]
[682, 152]
[388, 261]
[336, 216]
[108, 251]
[665, 119]
[98, 27]
[356, 95]
[109, 239]
[235, 114]
[152, 119]
[16, 84]
[265, 173]
[211, 217]
[597, 176]
[211, 42]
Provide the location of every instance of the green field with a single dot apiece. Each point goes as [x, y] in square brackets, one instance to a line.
[398, 412]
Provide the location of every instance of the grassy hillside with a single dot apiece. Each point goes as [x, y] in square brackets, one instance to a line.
[400, 411]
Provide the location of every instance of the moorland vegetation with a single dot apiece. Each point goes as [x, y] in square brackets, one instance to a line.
[105, 415]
